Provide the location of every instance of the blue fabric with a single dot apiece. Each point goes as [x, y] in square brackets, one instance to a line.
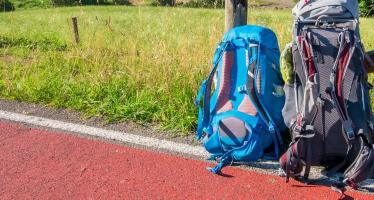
[199, 131]
[260, 133]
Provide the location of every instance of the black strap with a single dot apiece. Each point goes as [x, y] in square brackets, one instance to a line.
[308, 159]
[207, 93]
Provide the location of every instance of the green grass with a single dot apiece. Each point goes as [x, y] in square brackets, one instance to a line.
[134, 63]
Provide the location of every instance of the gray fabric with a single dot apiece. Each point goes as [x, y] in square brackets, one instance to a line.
[329, 144]
[328, 123]
[328, 141]
[334, 8]
[362, 168]
[289, 109]
[232, 131]
[311, 93]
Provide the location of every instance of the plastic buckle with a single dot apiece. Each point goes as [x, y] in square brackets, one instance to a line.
[349, 130]
[350, 134]
[371, 125]
[242, 88]
[271, 128]
[297, 129]
[197, 102]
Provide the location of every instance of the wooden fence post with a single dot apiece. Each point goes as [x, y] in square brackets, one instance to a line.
[75, 27]
[236, 12]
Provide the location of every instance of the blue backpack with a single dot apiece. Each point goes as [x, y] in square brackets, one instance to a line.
[240, 102]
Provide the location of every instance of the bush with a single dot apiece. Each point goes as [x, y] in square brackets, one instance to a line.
[80, 2]
[121, 2]
[163, 3]
[94, 2]
[206, 4]
[6, 5]
[367, 7]
[24, 4]
[63, 2]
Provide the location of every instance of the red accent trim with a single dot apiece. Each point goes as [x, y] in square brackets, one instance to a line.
[310, 61]
[258, 82]
[283, 161]
[339, 81]
[223, 100]
[299, 119]
[307, 54]
[294, 150]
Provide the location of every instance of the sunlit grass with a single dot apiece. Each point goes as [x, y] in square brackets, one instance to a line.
[135, 63]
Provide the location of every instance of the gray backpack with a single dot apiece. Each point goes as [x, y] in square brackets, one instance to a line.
[327, 103]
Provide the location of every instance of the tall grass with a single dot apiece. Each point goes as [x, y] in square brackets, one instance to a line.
[133, 63]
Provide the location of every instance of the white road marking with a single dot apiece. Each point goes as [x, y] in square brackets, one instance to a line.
[123, 137]
[106, 134]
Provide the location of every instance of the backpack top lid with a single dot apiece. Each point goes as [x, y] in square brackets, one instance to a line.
[263, 35]
[312, 9]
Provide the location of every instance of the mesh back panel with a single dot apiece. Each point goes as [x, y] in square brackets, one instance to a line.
[223, 100]
[232, 131]
[247, 107]
[328, 124]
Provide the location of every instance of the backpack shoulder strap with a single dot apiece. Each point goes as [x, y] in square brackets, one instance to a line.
[205, 91]
[253, 50]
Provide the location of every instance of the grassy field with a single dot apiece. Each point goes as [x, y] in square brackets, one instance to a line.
[133, 63]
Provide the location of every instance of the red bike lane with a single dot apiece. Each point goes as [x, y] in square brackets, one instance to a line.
[38, 164]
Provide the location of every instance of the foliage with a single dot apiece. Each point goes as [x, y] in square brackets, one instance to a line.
[6, 5]
[205, 4]
[162, 2]
[367, 7]
[63, 2]
[94, 2]
[121, 2]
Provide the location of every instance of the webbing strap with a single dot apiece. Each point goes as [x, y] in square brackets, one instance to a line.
[345, 42]
[197, 102]
[310, 71]
[205, 90]
[308, 160]
[304, 126]
[306, 53]
[253, 52]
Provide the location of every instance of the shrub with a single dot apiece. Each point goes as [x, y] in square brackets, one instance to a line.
[205, 4]
[6, 5]
[24, 4]
[121, 2]
[367, 7]
[163, 3]
[63, 2]
[94, 2]
[80, 2]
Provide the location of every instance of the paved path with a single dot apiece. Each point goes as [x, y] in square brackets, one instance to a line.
[37, 164]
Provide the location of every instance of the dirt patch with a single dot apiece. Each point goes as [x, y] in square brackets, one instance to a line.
[6, 58]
